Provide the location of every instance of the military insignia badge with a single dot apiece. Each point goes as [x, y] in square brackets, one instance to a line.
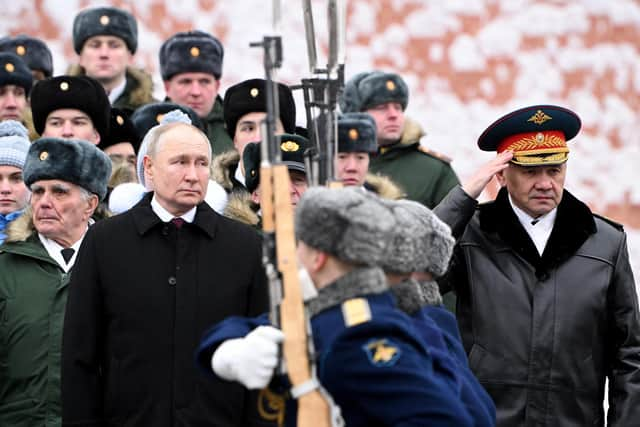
[356, 311]
[104, 20]
[64, 86]
[353, 134]
[382, 352]
[21, 50]
[119, 119]
[289, 146]
[253, 92]
[195, 52]
[159, 117]
[43, 156]
[391, 86]
[9, 67]
[539, 118]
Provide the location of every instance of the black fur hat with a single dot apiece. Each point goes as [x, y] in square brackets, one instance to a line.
[77, 92]
[14, 71]
[366, 90]
[149, 115]
[292, 149]
[249, 96]
[34, 52]
[357, 133]
[71, 160]
[121, 129]
[105, 21]
[191, 52]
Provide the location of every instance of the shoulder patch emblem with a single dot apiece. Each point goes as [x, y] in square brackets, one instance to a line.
[356, 311]
[382, 352]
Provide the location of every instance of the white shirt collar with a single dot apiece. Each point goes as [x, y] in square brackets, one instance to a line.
[53, 249]
[239, 176]
[117, 91]
[539, 229]
[164, 214]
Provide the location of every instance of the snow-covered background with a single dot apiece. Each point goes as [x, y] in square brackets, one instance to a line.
[467, 62]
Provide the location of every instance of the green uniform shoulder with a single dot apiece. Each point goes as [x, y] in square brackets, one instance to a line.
[433, 153]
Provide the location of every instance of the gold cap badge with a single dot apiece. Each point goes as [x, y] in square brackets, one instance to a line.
[21, 50]
[104, 20]
[353, 134]
[119, 119]
[43, 156]
[254, 92]
[159, 117]
[539, 118]
[391, 86]
[194, 51]
[64, 86]
[289, 146]
[9, 67]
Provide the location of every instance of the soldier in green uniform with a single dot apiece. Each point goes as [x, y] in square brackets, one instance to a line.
[105, 39]
[423, 175]
[191, 66]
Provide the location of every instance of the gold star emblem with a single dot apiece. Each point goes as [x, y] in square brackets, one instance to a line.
[119, 119]
[353, 134]
[9, 67]
[194, 51]
[64, 86]
[391, 86]
[43, 156]
[254, 92]
[384, 353]
[539, 118]
[21, 50]
[104, 20]
[289, 146]
[159, 117]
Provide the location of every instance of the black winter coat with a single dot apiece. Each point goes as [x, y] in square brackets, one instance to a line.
[142, 294]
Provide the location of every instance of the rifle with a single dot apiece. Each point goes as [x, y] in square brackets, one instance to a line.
[279, 255]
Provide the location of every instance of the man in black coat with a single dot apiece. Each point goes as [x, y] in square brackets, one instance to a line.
[146, 284]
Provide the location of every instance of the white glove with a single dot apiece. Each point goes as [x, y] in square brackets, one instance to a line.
[250, 360]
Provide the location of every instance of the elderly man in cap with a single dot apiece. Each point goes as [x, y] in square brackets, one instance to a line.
[422, 174]
[547, 302]
[15, 85]
[191, 67]
[71, 107]
[67, 178]
[14, 194]
[105, 39]
[370, 358]
[129, 338]
[33, 51]
[245, 108]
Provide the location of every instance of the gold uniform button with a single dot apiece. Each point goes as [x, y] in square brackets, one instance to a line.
[9, 67]
[195, 52]
[21, 50]
[104, 20]
[43, 156]
[254, 92]
[64, 86]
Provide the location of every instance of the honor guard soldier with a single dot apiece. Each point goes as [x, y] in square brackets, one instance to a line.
[547, 302]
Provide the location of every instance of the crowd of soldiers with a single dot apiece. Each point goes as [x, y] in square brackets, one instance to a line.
[132, 285]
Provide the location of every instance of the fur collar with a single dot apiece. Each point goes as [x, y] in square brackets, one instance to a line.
[241, 208]
[139, 84]
[357, 283]
[20, 229]
[412, 132]
[383, 187]
[223, 167]
[413, 295]
[574, 224]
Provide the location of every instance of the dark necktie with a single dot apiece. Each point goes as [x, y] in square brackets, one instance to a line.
[67, 253]
[177, 222]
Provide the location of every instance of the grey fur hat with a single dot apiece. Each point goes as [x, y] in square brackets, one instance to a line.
[422, 242]
[71, 160]
[14, 143]
[33, 51]
[368, 89]
[105, 21]
[357, 133]
[191, 52]
[351, 224]
[14, 71]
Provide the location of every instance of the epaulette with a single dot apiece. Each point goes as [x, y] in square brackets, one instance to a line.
[609, 221]
[435, 154]
[356, 311]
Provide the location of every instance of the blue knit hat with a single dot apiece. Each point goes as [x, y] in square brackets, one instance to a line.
[14, 143]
